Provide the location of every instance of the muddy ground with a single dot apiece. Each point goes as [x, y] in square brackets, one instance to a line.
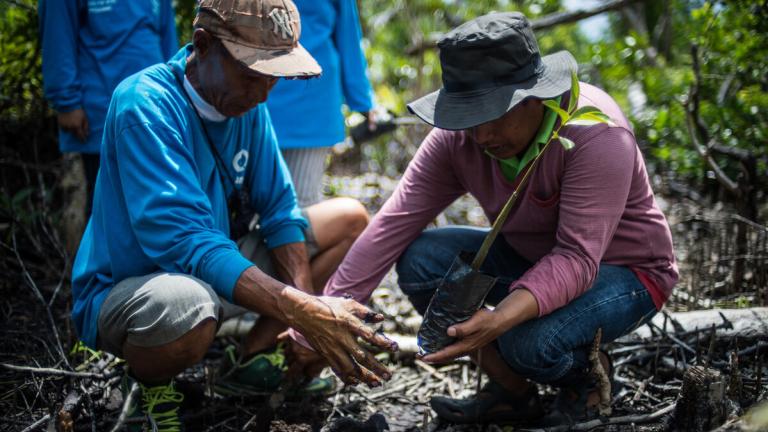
[38, 301]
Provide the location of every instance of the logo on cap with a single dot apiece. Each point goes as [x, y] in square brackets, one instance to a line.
[281, 23]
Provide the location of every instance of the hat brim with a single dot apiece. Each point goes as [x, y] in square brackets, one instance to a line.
[463, 110]
[294, 63]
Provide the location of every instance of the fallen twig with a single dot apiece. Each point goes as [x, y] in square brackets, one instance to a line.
[59, 372]
[37, 424]
[632, 418]
[39, 295]
[127, 403]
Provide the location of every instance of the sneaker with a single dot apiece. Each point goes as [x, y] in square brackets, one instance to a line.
[493, 404]
[259, 375]
[84, 357]
[262, 375]
[160, 405]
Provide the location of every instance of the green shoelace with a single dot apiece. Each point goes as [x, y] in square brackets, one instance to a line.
[165, 418]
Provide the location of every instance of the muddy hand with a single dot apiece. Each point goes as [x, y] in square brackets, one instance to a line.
[303, 363]
[331, 325]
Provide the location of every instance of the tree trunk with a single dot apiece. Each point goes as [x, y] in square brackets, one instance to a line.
[702, 403]
[74, 192]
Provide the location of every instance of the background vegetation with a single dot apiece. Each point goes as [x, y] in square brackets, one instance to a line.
[643, 58]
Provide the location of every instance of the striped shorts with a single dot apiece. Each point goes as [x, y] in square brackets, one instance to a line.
[307, 166]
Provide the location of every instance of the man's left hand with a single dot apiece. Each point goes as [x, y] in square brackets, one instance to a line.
[474, 333]
[303, 363]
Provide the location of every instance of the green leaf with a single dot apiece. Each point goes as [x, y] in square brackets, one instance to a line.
[567, 144]
[584, 110]
[589, 115]
[574, 92]
[552, 104]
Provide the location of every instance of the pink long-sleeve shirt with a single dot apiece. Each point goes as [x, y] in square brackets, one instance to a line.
[585, 206]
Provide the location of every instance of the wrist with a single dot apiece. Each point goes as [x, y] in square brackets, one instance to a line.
[288, 302]
[519, 306]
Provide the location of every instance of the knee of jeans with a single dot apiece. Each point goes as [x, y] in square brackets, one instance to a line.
[532, 357]
[423, 261]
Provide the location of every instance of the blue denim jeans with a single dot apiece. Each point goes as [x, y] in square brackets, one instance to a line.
[551, 349]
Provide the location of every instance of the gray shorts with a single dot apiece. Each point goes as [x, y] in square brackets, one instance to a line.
[158, 308]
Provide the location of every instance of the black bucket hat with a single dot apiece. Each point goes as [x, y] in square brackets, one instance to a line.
[490, 65]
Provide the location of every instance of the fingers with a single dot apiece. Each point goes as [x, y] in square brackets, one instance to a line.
[372, 337]
[348, 371]
[367, 360]
[448, 353]
[84, 128]
[461, 330]
[353, 364]
[362, 312]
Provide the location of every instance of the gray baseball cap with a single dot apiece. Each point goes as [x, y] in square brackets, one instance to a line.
[490, 64]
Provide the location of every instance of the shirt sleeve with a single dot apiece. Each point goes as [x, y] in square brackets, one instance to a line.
[428, 186]
[170, 41]
[169, 213]
[346, 36]
[59, 27]
[272, 194]
[593, 195]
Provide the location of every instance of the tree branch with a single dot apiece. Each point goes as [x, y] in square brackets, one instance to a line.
[542, 23]
[578, 14]
[696, 128]
[59, 372]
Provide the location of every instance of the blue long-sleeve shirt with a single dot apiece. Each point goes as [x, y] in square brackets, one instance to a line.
[90, 46]
[160, 203]
[330, 31]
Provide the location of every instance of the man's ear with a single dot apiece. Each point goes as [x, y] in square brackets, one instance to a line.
[201, 39]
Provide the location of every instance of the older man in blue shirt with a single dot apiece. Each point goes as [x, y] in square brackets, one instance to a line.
[156, 269]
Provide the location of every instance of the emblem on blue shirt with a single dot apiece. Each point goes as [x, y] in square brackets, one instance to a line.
[239, 162]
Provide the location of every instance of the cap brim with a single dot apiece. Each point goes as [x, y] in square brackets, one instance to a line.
[294, 63]
[463, 110]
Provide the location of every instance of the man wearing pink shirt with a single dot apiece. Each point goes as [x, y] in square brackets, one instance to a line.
[585, 246]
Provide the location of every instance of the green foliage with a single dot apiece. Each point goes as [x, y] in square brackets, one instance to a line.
[649, 57]
[20, 65]
[185, 14]
[734, 66]
[400, 39]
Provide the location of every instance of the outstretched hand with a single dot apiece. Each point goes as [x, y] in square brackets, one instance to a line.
[331, 325]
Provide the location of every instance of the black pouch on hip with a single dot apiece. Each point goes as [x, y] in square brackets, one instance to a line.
[241, 213]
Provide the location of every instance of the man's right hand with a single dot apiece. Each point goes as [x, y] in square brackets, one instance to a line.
[75, 122]
[331, 325]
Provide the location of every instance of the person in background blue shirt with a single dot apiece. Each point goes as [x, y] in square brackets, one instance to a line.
[157, 271]
[331, 33]
[89, 46]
